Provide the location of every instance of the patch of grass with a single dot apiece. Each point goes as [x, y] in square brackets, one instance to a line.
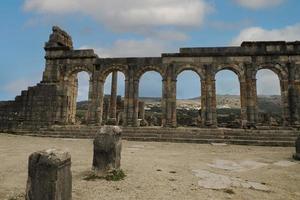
[115, 175]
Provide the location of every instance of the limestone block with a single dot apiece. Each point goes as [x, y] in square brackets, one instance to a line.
[49, 176]
[107, 150]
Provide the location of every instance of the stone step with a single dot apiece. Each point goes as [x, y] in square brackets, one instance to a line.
[205, 141]
[193, 135]
[280, 138]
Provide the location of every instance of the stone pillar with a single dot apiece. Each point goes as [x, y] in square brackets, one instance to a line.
[285, 102]
[169, 98]
[49, 176]
[243, 99]
[143, 122]
[251, 101]
[90, 118]
[169, 101]
[107, 150]
[131, 98]
[209, 107]
[203, 103]
[95, 109]
[135, 102]
[113, 96]
[295, 104]
[293, 94]
[141, 110]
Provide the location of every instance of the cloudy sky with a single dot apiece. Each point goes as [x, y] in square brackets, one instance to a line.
[117, 28]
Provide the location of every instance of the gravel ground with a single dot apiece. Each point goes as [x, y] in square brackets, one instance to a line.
[162, 170]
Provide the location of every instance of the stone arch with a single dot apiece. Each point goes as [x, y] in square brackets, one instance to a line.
[283, 77]
[77, 69]
[110, 68]
[195, 68]
[71, 89]
[155, 119]
[237, 69]
[144, 69]
[278, 69]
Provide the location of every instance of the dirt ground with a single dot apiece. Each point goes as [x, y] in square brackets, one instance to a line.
[162, 170]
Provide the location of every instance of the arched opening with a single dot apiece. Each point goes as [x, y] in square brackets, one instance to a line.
[188, 99]
[113, 101]
[269, 98]
[150, 95]
[78, 97]
[228, 99]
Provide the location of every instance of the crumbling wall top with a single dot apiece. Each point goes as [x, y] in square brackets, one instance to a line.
[59, 40]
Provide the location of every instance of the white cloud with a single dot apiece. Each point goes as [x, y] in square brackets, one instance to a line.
[124, 15]
[258, 4]
[132, 48]
[289, 33]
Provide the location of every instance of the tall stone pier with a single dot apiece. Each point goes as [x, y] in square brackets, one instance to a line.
[113, 95]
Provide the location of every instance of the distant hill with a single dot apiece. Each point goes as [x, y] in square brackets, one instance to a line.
[265, 103]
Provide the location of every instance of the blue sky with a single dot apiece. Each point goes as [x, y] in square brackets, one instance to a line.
[139, 28]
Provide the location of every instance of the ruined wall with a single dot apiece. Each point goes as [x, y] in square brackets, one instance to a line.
[53, 100]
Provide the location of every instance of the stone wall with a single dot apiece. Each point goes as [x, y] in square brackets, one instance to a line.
[53, 101]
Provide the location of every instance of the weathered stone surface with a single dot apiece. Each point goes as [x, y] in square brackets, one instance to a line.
[297, 145]
[53, 100]
[107, 150]
[49, 176]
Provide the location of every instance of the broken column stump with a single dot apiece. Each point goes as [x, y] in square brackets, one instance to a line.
[107, 150]
[49, 176]
[297, 145]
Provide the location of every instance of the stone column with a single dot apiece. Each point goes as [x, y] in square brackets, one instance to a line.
[285, 102]
[141, 110]
[131, 99]
[95, 109]
[126, 102]
[210, 108]
[90, 116]
[164, 103]
[99, 102]
[113, 96]
[169, 98]
[251, 94]
[135, 102]
[295, 104]
[49, 176]
[294, 94]
[243, 99]
[203, 102]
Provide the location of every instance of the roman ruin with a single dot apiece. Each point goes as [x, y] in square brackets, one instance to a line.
[52, 102]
